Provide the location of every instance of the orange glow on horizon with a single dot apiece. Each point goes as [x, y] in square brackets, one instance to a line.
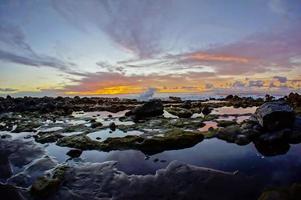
[219, 58]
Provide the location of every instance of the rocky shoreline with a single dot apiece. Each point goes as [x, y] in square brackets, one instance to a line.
[159, 125]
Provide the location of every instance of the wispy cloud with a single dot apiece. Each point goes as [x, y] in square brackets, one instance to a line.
[7, 90]
[135, 26]
[15, 49]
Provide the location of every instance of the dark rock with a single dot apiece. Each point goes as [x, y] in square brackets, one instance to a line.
[74, 153]
[242, 140]
[9, 192]
[180, 112]
[96, 124]
[225, 123]
[112, 126]
[186, 104]
[152, 108]
[284, 193]
[275, 115]
[206, 110]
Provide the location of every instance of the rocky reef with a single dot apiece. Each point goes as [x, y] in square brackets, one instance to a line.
[29, 127]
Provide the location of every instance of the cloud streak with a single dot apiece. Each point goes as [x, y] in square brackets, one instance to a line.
[15, 49]
[136, 26]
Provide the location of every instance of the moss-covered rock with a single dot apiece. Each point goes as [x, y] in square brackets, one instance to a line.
[26, 127]
[173, 139]
[225, 123]
[46, 186]
[286, 193]
[48, 137]
[180, 112]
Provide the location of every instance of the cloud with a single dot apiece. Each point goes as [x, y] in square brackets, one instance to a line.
[119, 83]
[15, 49]
[136, 27]
[281, 79]
[257, 83]
[257, 53]
[278, 6]
[8, 90]
[238, 84]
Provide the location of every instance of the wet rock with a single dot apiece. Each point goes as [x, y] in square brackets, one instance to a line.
[44, 187]
[47, 137]
[32, 171]
[19, 152]
[5, 168]
[275, 115]
[26, 127]
[242, 140]
[74, 153]
[285, 193]
[152, 108]
[96, 124]
[229, 133]
[225, 123]
[180, 112]
[173, 139]
[9, 192]
[206, 110]
[186, 104]
[174, 182]
[112, 126]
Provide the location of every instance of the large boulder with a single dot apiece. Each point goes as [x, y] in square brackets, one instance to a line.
[152, 108]
[275, 115]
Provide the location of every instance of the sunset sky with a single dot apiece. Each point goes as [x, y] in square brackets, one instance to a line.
[99, 47]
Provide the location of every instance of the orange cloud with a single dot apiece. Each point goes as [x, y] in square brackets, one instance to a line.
[199, 56]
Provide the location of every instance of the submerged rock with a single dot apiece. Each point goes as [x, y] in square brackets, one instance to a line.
[177, 181]
[286, 193]
[152, 108]
[275, 115]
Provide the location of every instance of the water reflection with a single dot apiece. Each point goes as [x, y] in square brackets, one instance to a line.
[233, 111]
[107, 133]
[213, 153]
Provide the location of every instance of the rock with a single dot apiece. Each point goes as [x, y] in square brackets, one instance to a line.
[176, 181]
[186, 104]
[206, 110]
[180, 112]
[112, 126]
[275, 115]
[175, 99]
[225, 123]
[152, 108]
[285, 193]
[74, 153]
[242, 140]
[229, 133]
[46, 137]
[44, 187]
[96, 124]
[9, 192]
[173, 139]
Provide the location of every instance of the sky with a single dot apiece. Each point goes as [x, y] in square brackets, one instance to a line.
[114, 47]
